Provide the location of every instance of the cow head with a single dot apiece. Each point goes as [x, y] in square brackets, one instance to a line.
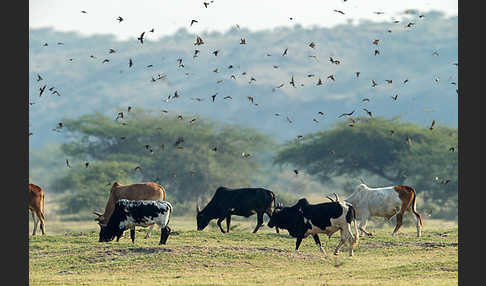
[106, 234]
[100, 218]
[201, 218]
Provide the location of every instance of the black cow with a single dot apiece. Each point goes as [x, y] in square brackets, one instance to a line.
[304, 219]
[242, 202]
[128, 214]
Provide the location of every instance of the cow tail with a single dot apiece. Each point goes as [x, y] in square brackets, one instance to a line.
[413, 207]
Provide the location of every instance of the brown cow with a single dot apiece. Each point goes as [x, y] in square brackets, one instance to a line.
[137, 192]
[36, 206]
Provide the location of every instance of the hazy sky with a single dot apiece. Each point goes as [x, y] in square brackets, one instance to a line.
[166, 17]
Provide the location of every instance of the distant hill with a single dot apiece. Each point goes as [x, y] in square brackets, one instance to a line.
[86, 84]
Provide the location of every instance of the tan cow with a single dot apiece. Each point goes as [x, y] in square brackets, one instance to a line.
[36, 207]
[140, 191]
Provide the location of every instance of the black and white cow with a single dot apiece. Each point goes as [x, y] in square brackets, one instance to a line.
[304, 219]
[128, 214]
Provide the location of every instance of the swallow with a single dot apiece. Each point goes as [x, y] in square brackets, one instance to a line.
[45, 45]
[437, 79]
[452, 149]
[233, 77]
[319, 82]
[67, 163]
[151, 31]
[339, 11]
[206, 4]
[112, 51]
[214, 96]
[331, 77]
[138, 168]
[39, 78]
[346, 114]
[227, 97]
[315, 120]
[180, 117]
[119, 115]
[130, 63]
[292, 81]
[285, 52]
[120, 19]
[242, 41]
[199, 41]
[377, 52]
[395, 97]
[56, 92]
[320, 113]
[215, 148]
[369, 112]
[312, 45]
[141, 37]
[373, 83]
[432, 125]
[435, 53]
[389, 81]
[105, 61]
[409, 25]
[366, 99]
[84, 12]
[296, 172]
[405, 81]
[375, 42]
[215, 53]
[86, 164]
[245, 155]
[250, 98]
[445, 182]
[193, 21]
[42, 90]
[192, 120]
[357, 74]
[216, 70]
[179, 141]
[288, 119]
[129, 109]
[392, 132]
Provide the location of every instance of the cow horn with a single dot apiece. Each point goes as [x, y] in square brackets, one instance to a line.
[362, 181]
[198, 210]
[330, 198]
[337, 198]
[97, 213]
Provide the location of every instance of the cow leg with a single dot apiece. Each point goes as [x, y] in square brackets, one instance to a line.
[297, 243]
[149, 231]
[341, 242]
[362, 225]
[228, 222]
[259, 222]
[40, 217]
[132, 234]
[164, 234]
[219, 223]
[348, 235]
[35, 222]
[318, 242]
[417, 224]
[399, 223]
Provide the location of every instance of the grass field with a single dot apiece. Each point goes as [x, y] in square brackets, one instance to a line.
[70, 254]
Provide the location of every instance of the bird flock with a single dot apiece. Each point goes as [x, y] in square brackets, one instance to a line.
[292, 82]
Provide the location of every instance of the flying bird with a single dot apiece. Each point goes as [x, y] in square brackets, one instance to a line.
[42, 90]
[67, 163]
[39, 78]
[105, 61]
[395, 97]
[319, 82]
[389, 81]
[357, 74]
[366, 99]
[339, 11]
[227, 97]
[285, 52]
[141, 37]
[242, 41]
[296, 172]
[312, 45]
[214, 96]
[199, 41]
[112, 51]
[119, 19]
[119, 115]
[292, 81]
[193, 21]
[375, 42]
[84, 12]
[435, 53]
[130, 63]
[86, 164]
[377, 52]
[346, 114]
[373, 83]
[369, 112]
[320, 113]
[432, 125]
[331, 77]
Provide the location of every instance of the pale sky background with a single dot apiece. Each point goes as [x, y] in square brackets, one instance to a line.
[167, 16]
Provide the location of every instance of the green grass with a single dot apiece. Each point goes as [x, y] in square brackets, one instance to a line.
[70, 254]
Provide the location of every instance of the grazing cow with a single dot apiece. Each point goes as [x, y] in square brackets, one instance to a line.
[384, 202]
[36, 207]
[140, 191]
[128, 214]
[241, 202]
[304, 219]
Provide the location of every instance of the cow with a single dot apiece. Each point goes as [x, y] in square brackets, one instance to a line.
[128, 214]
[36, 207]
[140, 191]
[241, 202]
[384, 202]
[304, 219]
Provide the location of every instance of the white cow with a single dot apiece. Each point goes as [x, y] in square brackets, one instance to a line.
[384, 202]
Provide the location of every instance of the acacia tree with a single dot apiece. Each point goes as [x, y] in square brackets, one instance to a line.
[398, 152]
[189, 159]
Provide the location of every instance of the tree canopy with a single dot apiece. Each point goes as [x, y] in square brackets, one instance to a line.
[190, 158]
